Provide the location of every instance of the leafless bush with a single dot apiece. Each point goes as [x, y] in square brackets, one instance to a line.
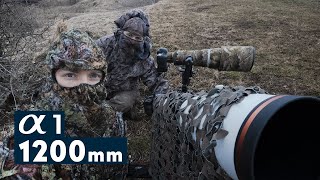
[20, 75]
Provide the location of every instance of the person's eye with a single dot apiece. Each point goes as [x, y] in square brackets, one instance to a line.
[129, 34]
[70, 76]
[95, 75]
[138, 38]
[126, 33]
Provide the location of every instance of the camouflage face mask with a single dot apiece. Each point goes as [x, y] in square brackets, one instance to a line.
[138, 49]
[133, 36]
[84, 94]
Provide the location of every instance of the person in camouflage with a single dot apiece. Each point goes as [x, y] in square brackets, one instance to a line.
[127, 53]
[76, 87]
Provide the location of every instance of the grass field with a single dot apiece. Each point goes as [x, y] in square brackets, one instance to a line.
[286, 35]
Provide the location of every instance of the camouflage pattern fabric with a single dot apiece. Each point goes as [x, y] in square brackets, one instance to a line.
[125, 100]
[128, 59]
[9, 170]
[75, 50]
[86, 112]
[5, 152]
[185, 129]
[226, 58]
[129, 22]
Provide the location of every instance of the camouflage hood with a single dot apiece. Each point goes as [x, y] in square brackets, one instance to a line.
[82, 104]
[135, 21]
[129, 49]
[74, 50]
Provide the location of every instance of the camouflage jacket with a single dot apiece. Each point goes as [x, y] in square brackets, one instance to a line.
[124, 73]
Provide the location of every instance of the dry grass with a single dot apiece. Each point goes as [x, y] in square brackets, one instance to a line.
[285, 33]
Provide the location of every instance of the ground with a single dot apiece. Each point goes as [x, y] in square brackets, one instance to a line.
[285, 33]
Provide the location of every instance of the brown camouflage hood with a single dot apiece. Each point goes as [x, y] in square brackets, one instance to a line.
[75, 50]
[128, 48]
[137, 25]
[136, 21]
